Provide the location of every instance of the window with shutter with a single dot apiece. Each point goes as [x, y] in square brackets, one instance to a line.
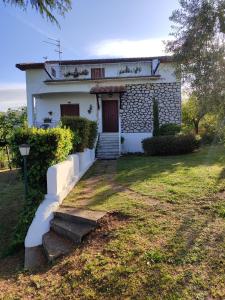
[70, 110]
[97, 73]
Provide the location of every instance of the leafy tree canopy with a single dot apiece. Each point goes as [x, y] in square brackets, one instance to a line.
[10, 120]
[199, 49]
[46, 8]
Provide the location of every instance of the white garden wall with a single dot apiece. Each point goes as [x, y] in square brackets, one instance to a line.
[61, 178]
[132, 142]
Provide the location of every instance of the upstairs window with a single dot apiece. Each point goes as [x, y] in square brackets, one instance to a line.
[97, 73]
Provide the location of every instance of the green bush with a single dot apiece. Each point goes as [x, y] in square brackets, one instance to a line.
[170, 145]
[169, 129]
[47, 147]
[81, 128]
[93, 130]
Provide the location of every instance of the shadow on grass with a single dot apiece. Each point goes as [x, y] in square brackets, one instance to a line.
[11, 204]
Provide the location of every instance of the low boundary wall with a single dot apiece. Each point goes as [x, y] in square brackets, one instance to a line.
[61, 178]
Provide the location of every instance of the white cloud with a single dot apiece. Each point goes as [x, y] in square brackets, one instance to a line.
[128, 48]
[12, 95]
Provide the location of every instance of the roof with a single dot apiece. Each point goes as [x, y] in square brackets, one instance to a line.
[29, 66]
[108, 89]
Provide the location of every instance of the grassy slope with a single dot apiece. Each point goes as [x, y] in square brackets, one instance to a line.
[11, 202]
[167, 242]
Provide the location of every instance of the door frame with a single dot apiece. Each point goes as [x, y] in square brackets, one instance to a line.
[118, 115]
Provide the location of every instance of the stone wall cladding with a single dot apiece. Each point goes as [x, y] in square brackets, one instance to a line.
[137, 106]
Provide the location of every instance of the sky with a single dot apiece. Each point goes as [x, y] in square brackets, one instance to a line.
[92, 29]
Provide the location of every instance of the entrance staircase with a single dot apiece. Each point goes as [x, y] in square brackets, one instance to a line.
[67, 229]
[108, 146]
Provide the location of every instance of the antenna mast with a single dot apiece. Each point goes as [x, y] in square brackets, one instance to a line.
[57, 44]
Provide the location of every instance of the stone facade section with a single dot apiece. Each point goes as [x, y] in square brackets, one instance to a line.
[137, 106]
[168, 96]
[136, 109]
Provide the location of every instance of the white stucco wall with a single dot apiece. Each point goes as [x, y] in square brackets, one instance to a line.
[132, 142]
[46, 103]
[61, 179]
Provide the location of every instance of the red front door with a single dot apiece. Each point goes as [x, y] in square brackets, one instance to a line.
[110, 116]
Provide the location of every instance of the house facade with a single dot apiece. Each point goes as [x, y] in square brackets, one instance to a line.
[117, 93]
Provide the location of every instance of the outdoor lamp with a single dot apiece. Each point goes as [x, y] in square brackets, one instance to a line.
[24, 151]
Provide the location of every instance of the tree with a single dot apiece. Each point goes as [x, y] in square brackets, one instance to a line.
[8, 122]
[199, 49]
[155, 118]
[192, 113]
[44, 7]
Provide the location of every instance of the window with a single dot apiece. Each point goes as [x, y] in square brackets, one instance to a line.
[97, 73]
[70, 110]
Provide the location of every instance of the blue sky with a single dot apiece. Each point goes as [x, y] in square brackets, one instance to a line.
[93, 28]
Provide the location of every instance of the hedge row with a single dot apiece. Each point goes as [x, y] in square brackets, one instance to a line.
[85, 132]
[170, 145]
[47, 147]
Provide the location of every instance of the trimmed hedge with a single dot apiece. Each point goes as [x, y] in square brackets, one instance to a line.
[93, 131]
[80, 128]
[85, 132]
[47, 147]
[170, 145]
[169, 129]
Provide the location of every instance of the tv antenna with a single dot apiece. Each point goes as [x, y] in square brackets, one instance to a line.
[57, 44]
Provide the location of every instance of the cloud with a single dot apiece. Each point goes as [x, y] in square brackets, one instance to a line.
[128, 48]
[12, 95]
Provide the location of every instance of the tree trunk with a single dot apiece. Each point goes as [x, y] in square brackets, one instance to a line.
[196, 123]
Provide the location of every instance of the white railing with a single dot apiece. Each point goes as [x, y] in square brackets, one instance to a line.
[79, 72]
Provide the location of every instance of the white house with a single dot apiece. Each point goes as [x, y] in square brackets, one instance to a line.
[117, 93]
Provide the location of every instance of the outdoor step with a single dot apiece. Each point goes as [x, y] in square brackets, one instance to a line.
[79, 215]
[108, 153]
[72, 230]
[56, 245]
[108, 156]
[107, 150]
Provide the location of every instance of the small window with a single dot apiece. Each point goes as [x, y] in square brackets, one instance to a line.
[70, 110]
[97, 73]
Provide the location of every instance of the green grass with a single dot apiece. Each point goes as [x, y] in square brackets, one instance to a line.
[11, 203]
[166, 241]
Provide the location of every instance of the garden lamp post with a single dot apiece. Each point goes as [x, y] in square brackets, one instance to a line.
[24, 151]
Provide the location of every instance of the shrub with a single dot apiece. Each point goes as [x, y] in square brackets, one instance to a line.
[169, 129]
[170, 145]
[47, 147]
[81, 128]
[93, 130]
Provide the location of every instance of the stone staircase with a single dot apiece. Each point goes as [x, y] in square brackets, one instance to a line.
[108, 146]
[67, 229]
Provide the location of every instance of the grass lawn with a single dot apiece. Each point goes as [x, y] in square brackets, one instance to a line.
[165, 241]
[11, 203]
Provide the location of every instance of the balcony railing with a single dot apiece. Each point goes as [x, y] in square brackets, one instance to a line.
[115, 70]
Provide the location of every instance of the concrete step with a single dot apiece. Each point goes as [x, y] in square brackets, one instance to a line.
[72, 230]
[107, 150]
[55, 245]
[79, 215]
[105, 156]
